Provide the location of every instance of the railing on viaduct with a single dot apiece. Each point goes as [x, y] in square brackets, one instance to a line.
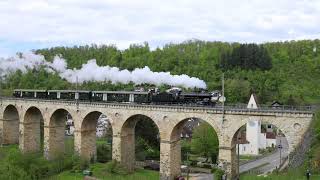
[217, 108]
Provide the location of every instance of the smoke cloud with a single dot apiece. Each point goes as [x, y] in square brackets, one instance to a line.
[92, 72]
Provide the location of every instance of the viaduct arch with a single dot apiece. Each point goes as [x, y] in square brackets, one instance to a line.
[123, 118]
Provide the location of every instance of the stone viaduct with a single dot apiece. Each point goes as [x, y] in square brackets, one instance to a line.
[20, 124]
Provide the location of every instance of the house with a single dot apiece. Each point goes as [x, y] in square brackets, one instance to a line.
[254, 139]
[188, 128]
[276, 105]
[69, 127]
[103, 126]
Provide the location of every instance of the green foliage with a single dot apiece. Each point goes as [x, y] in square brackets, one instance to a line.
[148, 130]
[33, 166]
[247, 56]
[205, 141]
[104, 153]
[147, 139]
[185, 149]
[145, 151]
[218, 173]
[293, 77]
[114, 167]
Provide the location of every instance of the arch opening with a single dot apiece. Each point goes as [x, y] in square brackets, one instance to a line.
[194, 143]
[96, 137]
[61, 139]
[33, 131]
[10, 125]
[262, 142]
[140, 142]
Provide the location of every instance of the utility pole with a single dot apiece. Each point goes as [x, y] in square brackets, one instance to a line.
[1, 89]
[223, 98]
[188, 164]
[77, 93]
[280, 147]
[238, 157]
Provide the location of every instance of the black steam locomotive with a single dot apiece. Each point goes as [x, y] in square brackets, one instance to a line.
[152, 96]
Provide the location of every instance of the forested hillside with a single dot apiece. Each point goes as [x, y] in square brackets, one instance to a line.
[285, 71]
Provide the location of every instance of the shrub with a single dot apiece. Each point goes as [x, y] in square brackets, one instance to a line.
[34, 166]
[103, 153]
[114, 167]
[13, 172]
[206, 165]
[79, 164]
[218, 173]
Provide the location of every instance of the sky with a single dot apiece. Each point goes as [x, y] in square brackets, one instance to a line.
[34, 24]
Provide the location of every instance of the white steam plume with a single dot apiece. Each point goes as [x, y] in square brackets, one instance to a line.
[92, 72]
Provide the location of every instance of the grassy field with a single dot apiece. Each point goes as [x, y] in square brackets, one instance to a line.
[99, 171]
[4, 150]
[279, 177]
[293, 174]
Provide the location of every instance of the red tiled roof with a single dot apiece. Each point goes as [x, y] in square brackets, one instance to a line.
[243, 139]
[270, 135]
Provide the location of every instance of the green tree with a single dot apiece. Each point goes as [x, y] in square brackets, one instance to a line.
[205, 141]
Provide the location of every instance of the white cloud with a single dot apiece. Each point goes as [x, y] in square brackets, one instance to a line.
[124, 22]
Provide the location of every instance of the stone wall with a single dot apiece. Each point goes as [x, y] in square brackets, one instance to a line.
[300, 153]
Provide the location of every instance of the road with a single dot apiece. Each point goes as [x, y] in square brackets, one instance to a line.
[270, 162]
[200, 176]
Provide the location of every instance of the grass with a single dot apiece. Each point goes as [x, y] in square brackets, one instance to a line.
[4, 150]
[69, 144]
[247, 157]
[292, 174]
[99, 171]
[279, 177]
[101, 141]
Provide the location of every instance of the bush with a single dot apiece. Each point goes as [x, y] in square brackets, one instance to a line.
[141, 155]
[218, 173]
[193, 163]
[115, 168]
[79, 164]
[34, 166]
[104, 153]
[13, 173]
[206, 165]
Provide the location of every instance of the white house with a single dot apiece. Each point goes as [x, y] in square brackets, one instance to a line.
[253, 139]
[69, 127]
[102, 126]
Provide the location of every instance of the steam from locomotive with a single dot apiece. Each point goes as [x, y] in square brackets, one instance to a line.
[92, 72]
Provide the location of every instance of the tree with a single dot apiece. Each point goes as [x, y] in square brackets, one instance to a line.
[204, 141]
[247, 56]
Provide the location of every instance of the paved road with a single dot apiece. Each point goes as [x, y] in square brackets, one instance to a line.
[200, 176]
[272, 160]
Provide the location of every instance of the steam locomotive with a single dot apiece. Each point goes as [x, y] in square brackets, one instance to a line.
[152, 96]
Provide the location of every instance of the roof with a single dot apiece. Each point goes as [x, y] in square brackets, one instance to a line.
[270, 135]
[242, 139]
[276, 103]
[120, 92]
[80, 91]
[253, 102]
[30, 90]
[196, 94]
